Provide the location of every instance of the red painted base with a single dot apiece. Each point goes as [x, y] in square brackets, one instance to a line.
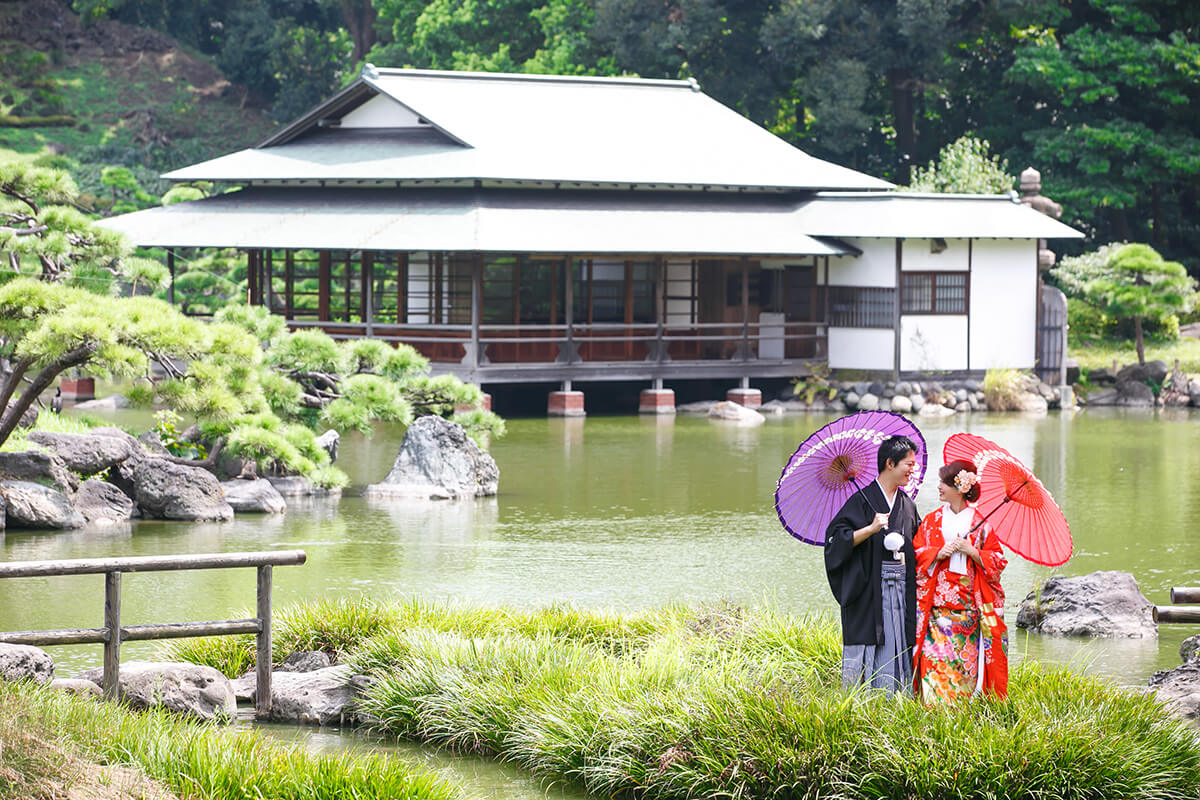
[565, 404]
[78, 389]
[750, 398]
[657, 401]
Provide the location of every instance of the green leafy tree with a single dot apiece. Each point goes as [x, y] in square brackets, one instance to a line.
[310, 378]
[1132, 282]
[42, 232]
[1111, 107]
[965, 166]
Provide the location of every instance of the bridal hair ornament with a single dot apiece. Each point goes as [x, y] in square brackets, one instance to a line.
[964, 480]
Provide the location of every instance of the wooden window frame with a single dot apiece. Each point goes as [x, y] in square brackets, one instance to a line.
[859, 317]
[934, 309]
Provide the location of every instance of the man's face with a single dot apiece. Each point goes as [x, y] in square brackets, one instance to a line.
[900, 473]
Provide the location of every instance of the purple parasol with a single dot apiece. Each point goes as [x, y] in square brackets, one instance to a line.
[833, 464]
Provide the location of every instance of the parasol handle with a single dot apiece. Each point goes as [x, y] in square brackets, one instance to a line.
[1007, 498]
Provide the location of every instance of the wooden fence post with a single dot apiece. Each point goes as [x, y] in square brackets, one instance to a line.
[112, 645]
[262, 656]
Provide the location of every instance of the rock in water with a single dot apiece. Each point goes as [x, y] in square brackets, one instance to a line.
[191, 689]
[101, 502]
[31, 505]
[254, 496]
[86, 454]
[175, 491]
[1107, 604]
[438, 461]
[735, 412]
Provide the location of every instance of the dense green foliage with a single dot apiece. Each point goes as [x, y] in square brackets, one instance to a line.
[725, 702]
[49, 734]
[1101, 95]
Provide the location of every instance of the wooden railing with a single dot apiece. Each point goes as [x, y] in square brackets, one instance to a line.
[113, 633]
[584, 342]
[1180, 613]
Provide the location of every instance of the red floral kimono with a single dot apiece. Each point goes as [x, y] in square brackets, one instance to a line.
[960, 617]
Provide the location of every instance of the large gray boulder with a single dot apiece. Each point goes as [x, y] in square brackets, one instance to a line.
[22, 662]
[727, 411]
[438, 461]
[1179, 688]
[320, 697]
[37, 466]
[176, 491]
[33, 506]
[84, 453]
[1134, 394]
[101, 502]
[1102, 604]
[257, 496]
[191, 689]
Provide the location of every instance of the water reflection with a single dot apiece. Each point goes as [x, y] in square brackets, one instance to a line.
[629, 512]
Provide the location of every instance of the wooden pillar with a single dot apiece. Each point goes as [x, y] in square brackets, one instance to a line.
[367, 286]
[111, 682]
[569, 303]
[435, 313]
[401, 288]
[896, 312]
[252, 277]
[289, 283]
[267, 288]
[171, 271]
[476, 306]
[745, 308]
[323, 288]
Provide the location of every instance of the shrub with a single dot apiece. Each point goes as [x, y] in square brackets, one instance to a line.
[1002, 388]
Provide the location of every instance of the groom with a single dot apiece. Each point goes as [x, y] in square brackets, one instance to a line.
[876, 590]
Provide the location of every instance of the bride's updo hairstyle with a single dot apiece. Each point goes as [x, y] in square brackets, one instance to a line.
[949, 475]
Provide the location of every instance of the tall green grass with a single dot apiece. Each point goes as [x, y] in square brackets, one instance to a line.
[194, 760]
[684, 703]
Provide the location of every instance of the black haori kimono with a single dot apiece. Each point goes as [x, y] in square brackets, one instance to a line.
[877, 593]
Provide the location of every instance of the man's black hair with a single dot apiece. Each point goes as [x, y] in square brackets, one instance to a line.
[894, 449]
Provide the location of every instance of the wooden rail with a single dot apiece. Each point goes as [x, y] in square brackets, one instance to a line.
[113, 633]
[1180, 613]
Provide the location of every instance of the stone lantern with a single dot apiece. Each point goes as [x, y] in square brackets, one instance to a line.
[1049, 297]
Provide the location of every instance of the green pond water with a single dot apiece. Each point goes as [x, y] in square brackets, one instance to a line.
[630, 512]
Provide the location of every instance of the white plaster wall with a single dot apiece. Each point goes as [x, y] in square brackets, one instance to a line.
[875, 267]
[918, 257]
[380, 112]
[861, 348]
[1003, 303]
[416, 293]
[930, 342]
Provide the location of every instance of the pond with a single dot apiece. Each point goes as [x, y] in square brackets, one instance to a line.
[630, 512]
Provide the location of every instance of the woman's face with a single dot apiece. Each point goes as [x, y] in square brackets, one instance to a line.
[948, 494]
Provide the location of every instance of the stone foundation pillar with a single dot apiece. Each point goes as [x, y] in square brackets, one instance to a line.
[76, 389]
[486, 405]
[750, 398]
[565, 404]
[657, 401]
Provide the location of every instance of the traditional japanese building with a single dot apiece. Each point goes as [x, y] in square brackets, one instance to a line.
[524, 228]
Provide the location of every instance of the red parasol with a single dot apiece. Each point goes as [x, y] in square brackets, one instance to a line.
[1015, 503]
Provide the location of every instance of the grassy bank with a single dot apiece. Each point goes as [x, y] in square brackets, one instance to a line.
[686, 703]
[51, 741]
